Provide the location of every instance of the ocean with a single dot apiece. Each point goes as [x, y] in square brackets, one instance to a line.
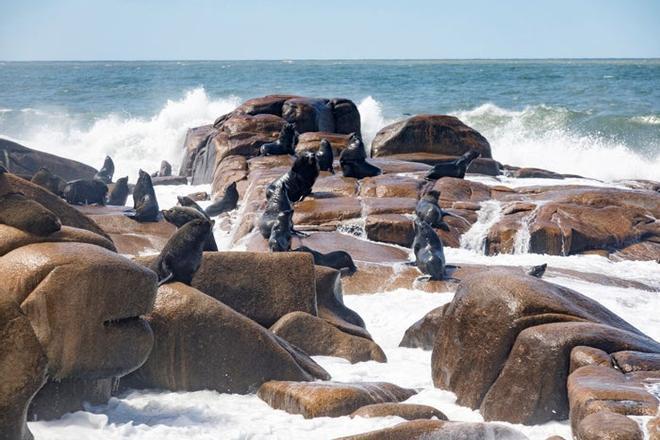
[596, 118]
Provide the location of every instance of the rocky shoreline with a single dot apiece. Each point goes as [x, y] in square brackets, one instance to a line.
[83, 316]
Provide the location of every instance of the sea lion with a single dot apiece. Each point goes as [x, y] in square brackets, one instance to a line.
[181, 215]
[280, 234]
[452, 168]
[324, 156]
[45, 179]
[190, 203]
[429, 252]
[353, 160]
[182, 255]
[85, 192]
[285, 143]
[106, 172]
[278, 202]
[145, 205]
[226, 203]
[119, 193]
[538, 271]
[340, 260]
[299, 179]
[428, 210]
[25, 214]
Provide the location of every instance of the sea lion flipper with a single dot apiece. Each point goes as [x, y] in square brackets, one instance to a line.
[166, 279]
[299, 233]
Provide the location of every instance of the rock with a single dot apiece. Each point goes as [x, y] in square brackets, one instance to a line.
[25, 161]
[605, 425]
[441, 430]
[309, 114]
[330, 302]
[438, 134]
[270, 104]
[479, 165]
[23, 366]
[329, 399]
[200, 196]
[55, 283]
[389, 205]
[201, 343]
[169, 180]
[231, 169]
[390, 228]
[506, 339]
[644, 251]
[68, 215]
[391, 185]
[581, 356]
[536, 173]
[12, 238]
[194, 145]
[406, 411]
[317, 337]
[312, 211]
[422, 333]
[310, 141]
[629, 361]
[360, 250]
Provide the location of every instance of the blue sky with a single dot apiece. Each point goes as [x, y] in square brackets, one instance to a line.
[331, 29]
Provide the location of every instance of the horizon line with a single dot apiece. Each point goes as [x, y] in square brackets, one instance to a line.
[328, 59]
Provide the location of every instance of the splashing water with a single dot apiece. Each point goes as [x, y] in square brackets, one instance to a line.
[475, 238]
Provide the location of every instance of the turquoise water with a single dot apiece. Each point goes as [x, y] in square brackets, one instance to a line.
[599, 118]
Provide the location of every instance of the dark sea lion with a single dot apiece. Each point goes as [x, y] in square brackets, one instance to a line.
[285, 143]
[428, 210]
[452, 168]
[181, 215]
[106, 172]
[190, 203]
[278, 202]
[145, 205]
[538, 271]
[182, 255]
[340, 260]
[280, 234]
[119, 193]
[25, 214]
[353, 160]
[429, 252]
[85, 192]
[45, 179]
[299, 180]
[165, 169]
[325, 156]
[226, 203]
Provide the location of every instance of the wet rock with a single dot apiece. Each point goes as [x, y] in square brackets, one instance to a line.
[327, 186]
[310, 141]
[389, 205]
[506, 340]
[438, 134]
[389, 165]
[317, 337]
[391, 185]
[536, 173]
[12, 238]
[453, 190]
[644, 251]
[390, 228]
[201, 343]
[200, 196]
[582, 356]
[629, 361]
[329, 399]
[360, 250]
[194, 145]
[169, 180]
[312, 211]
[422, 333]
[441, 430]
[479, 165]
[605, 425]
[406, 411]
[231, 169]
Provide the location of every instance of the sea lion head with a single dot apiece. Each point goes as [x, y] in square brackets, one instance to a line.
[433, 195]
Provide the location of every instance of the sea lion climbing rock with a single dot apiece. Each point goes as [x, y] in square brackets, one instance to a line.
[182, 255]
[339, 260]
[188, 202]
[181, 215]
[280, 234]
[325, 157]
[18, 211]
[429, 252]
[227, 203]
[85, 192]
[278, 202]
[48, 180]
[119, 193]
[285, 143]
[145, 205]
[106, 172]
[452, 168]
[428, 210]
[353, 160]
[299, 180]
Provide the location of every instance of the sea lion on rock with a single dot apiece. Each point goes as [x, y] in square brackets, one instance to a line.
[106, 172]
[340, 260]
[538, 271]
[188, 202]
[353, 160]
[145, 205]
[280, 235]
[278, 202]
[324, 156]
[299, 180]
[182, 255]
[429, 252]
[285, 143]
[164, 171]
[25, 214]
[48, 180]
[428, 210]
[85, 192]
[119, 193]
[181, 215]
[227, 203]
[452, 168]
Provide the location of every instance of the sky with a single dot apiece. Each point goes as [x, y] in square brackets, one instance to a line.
[330, 29]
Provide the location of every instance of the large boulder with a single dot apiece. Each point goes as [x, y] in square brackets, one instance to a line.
[441, 430]
[436, 134]
[408, 411]
[200, 343]
[25, 161]
[504, 343]
[329, 399]
[12, 238]
[422, 333]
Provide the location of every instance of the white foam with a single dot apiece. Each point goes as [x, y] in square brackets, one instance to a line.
[371, 115]
[646, 119]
